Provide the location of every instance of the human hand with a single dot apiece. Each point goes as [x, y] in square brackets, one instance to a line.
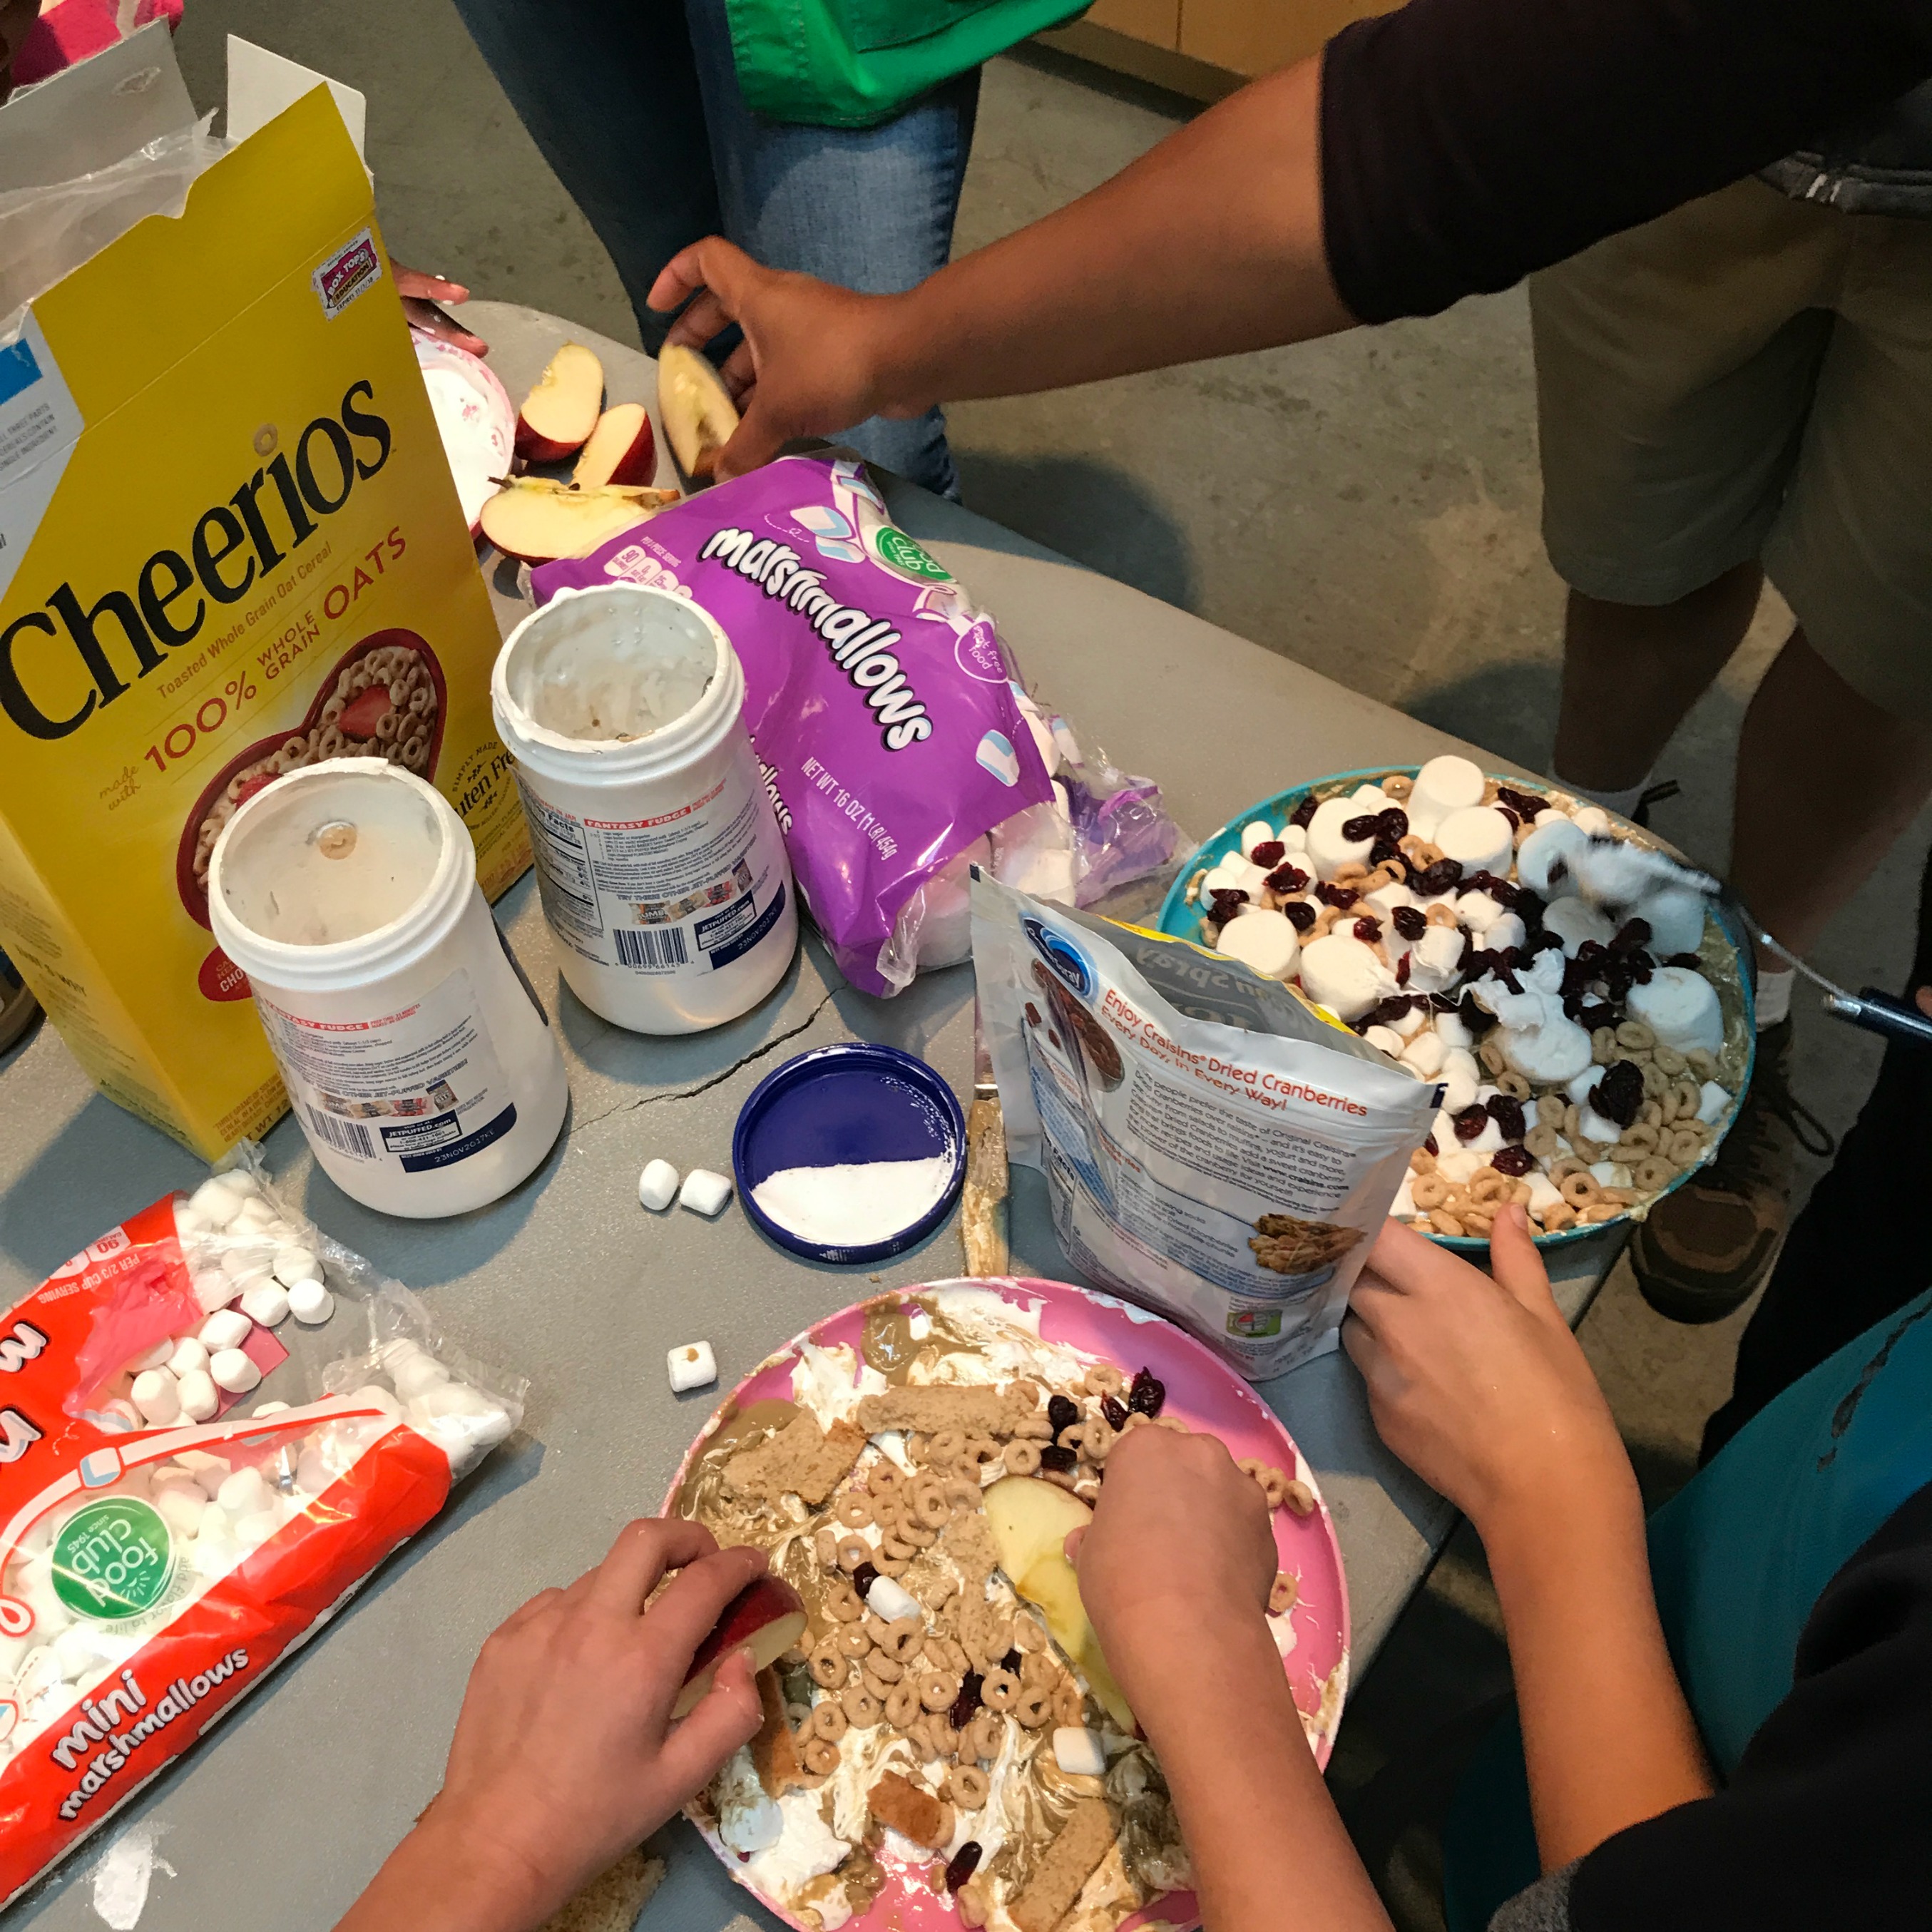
[565, 1755]
[1477, 1384]
[422, 293]
[813, 360]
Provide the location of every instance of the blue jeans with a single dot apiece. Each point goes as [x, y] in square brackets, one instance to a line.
[635, 105]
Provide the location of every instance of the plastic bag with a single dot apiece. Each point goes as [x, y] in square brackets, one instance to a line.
[893, 729]
[1214, 1148]
[152, 1572]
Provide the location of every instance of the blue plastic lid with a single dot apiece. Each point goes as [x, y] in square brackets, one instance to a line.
[847, 1105]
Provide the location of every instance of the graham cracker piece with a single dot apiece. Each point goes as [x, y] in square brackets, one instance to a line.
[913, 1811]
[610, 1903]
[1070, 1861]
[969, 1542]
[774, 1750]
[974, 1411]
[802, 1458]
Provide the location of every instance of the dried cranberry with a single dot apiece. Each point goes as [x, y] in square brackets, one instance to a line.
[1576, 978]
[1519, 801]
[1632, 936]
[1618, 1095]
[968, 1700]
[963, 1863]
[1473, 1016]
[1529, 908]
[1433, 881]
[1304, 812]
[1229, 900]
[1114, 1410]
[1012, 1661]
[1340, 897]
[1062, 1412]
[1055, 1457]
[1401, 971]
[1387, 852]
[1511, 817]
[1395, 1007]
[1355, 830]
[863, 1578]
[1689, 959]
[1032, 1014]
[1409, 921]
[1146, 1394]
[1596, 1013]
[1299, 914]
[1513, 1161]
[1471, 1122]
[1287, 878]
[1270, 852]
[1559, 871]
[1429, 1145]
[1591, 952]
[1507, 1112]
[1394, 823]
[1368, 931]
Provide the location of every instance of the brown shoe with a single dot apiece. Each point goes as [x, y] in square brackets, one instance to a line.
[1707, 1249]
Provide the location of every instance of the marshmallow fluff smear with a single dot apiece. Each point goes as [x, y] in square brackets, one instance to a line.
[854, 1204]
[1545, 967]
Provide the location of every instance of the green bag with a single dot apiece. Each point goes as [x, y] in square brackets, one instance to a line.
[854, 63]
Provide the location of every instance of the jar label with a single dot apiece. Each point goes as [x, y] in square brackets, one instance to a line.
[412, 1090]
[685, 891]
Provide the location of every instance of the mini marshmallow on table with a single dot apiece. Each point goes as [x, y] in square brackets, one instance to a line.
[657, 1185]
[692, 1365]
[704, 1193]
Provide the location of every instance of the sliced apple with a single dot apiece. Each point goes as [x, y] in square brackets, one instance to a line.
[560, 413]
[765, 1616]
[621, 449]
[696, 408]
[1029, 1520]
[538, 521]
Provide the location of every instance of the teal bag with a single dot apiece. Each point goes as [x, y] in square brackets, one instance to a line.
[854, 63]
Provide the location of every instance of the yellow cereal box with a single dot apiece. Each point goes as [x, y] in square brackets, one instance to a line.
[229, 545]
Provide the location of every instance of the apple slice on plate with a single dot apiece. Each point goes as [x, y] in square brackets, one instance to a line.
[537, 520]
[1029, 1520]
[621, 449]
[560, 413]
[765, 1617]
[696, 408]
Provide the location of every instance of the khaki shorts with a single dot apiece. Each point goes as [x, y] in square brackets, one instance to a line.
[1748, 377]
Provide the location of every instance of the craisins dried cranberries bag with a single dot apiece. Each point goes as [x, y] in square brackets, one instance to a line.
[155, 1567]
[894, 733]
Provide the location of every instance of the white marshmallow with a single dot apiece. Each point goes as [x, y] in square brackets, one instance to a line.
[1681, 1007]
[373, 1395]
[1478, 911]
[657, 1185]
[1425, 1053]
[1434, 960]
[267, 1408]
[1264, 942]
[210, 1471]
[1234, 874]
[1713, 1103]
[157, 1396]
[1459, 1163]
[1610, 1174]
[1593, 1127]
[244, 1493]
[1294, 839]
[212, 1289]
[1386, 898]
[1461, 1077]
[1451, 1029]
[294, 1264]
[267, 1302]
[1544, 973]
[156, 1358]
[1617, 874]
[189, 1352]
[1078, 1751]
[1676, 922]
[1581, 1086]
[692, 1365]
[1340, 972]
[1549, 848]
[1444, 785]
[1543, 1192]
[1573, 922]
[1489, 1141]
[180, 1505]
[1370, 798]
[313, 1473]
[231, 1370]
[198, 1399]
[1409, 1024]
[704, 1193]
[1592, 821]
[239, 1182]
[1479, 838]
[1256, 832]
[1328, 851]
[1506, 932]
[889, 1601]
[1384, 1038]
[1539, 1040]
[214, 1204]
[255, 1529]
[310, 1304]
[226, 1328]
[246, 1264]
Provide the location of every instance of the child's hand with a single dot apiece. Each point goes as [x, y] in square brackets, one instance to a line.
[1478, 1384]
[564, 1754]
[423, 296]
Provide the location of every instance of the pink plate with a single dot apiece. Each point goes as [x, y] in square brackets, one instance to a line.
[1207, 1395]
[475, 417]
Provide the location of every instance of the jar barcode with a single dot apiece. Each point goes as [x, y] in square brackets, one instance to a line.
[650, 949]
[345, 1136]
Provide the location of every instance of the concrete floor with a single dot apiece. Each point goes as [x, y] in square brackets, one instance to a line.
[1368, 505]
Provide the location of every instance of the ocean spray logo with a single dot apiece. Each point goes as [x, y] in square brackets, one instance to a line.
[1068, 962]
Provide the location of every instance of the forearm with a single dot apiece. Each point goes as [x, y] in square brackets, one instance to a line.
[438, 1880]
[1252, 1807]
[1209, 244]
[1608, 1739]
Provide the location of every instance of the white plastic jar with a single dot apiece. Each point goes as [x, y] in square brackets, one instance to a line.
[663, 872]
[417, 1059]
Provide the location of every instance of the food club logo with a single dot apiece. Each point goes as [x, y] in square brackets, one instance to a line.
[1068, 962]
[113, 1559]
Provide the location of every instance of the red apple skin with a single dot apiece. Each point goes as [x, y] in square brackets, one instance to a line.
[636, 465]
[535, 448]
[767, 1615]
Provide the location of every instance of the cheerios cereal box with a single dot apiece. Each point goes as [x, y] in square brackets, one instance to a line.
[229, 545]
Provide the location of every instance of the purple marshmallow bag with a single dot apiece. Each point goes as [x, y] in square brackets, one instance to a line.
[895, 737]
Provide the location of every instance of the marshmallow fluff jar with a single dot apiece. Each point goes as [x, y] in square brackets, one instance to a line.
[663, 873]
[423, 1073]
